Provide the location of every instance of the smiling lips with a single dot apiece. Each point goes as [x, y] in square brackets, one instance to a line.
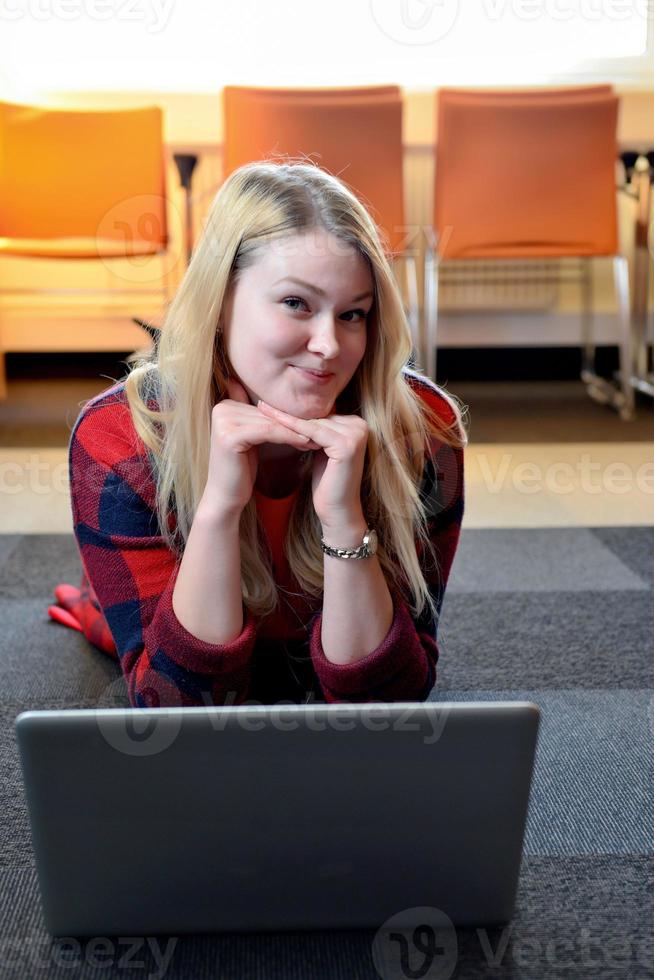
[313, 375]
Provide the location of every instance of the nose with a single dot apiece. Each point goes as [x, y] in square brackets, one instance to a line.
[323, 336]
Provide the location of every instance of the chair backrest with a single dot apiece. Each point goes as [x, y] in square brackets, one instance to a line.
[354, 133]
[564, 92]
[526, 173]
[82, 184]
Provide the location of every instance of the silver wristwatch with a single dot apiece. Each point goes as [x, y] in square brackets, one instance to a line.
[366, 549]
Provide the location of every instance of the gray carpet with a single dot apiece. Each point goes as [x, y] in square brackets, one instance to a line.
[561, 617]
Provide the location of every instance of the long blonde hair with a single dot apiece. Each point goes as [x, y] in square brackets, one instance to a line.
[172, 389]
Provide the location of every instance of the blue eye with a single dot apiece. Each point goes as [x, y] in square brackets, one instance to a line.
[298, 299]
[294, 299]
[360, 313]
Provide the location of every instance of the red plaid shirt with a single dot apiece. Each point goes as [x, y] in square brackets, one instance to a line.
[132, 575]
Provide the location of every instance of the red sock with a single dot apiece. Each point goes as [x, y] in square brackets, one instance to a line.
[79, 609]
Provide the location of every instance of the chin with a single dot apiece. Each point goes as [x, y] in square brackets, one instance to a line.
[304, 404]
[322, 409]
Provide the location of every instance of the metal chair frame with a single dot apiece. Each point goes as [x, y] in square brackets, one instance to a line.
[599, 388]
[619, 396]
[643, 376]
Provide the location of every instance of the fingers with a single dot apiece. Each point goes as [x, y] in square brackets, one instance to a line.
[274, 430]
[297, 424]
[257, 432]
[281, 434]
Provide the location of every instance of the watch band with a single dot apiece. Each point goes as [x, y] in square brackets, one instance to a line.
[366, 549]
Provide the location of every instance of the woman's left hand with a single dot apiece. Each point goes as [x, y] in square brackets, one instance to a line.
[337, 464]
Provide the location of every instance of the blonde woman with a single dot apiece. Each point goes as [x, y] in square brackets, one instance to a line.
[268, 504]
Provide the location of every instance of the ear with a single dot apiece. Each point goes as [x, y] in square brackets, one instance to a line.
[237, 392]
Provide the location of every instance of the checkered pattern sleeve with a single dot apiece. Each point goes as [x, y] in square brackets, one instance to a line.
[403, 667]
[133, 572]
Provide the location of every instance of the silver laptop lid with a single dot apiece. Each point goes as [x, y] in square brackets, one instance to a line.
[272, 817]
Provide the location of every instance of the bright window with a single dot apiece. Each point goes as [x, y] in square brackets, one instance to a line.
[192, 45]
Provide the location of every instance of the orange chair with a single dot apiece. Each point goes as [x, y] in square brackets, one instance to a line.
[81, 185]
[354, 133]
[526, 175]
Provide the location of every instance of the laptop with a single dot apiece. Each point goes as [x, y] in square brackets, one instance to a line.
[277, 817]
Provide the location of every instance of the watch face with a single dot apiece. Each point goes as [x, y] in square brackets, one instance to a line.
[372, 542]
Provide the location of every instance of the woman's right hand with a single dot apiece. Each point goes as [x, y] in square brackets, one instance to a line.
[237, 428]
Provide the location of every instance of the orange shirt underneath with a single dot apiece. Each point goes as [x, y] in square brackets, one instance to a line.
[290, 619]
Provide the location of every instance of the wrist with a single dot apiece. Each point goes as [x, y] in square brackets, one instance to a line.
[345, 535]
[212, 515]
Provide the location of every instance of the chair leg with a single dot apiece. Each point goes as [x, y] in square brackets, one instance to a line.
[621, 277]
[588, 348]
[399, 273]
[600, 389]
[641, 266]
[407, 284]
[411, 267]
[643, 379]
[428, 353]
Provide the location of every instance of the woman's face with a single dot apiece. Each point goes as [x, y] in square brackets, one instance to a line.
[275, 325]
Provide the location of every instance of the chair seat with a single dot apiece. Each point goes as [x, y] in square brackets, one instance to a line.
[529, 250]
[77, 248]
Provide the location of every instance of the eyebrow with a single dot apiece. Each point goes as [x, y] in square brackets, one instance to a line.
[316, 289]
